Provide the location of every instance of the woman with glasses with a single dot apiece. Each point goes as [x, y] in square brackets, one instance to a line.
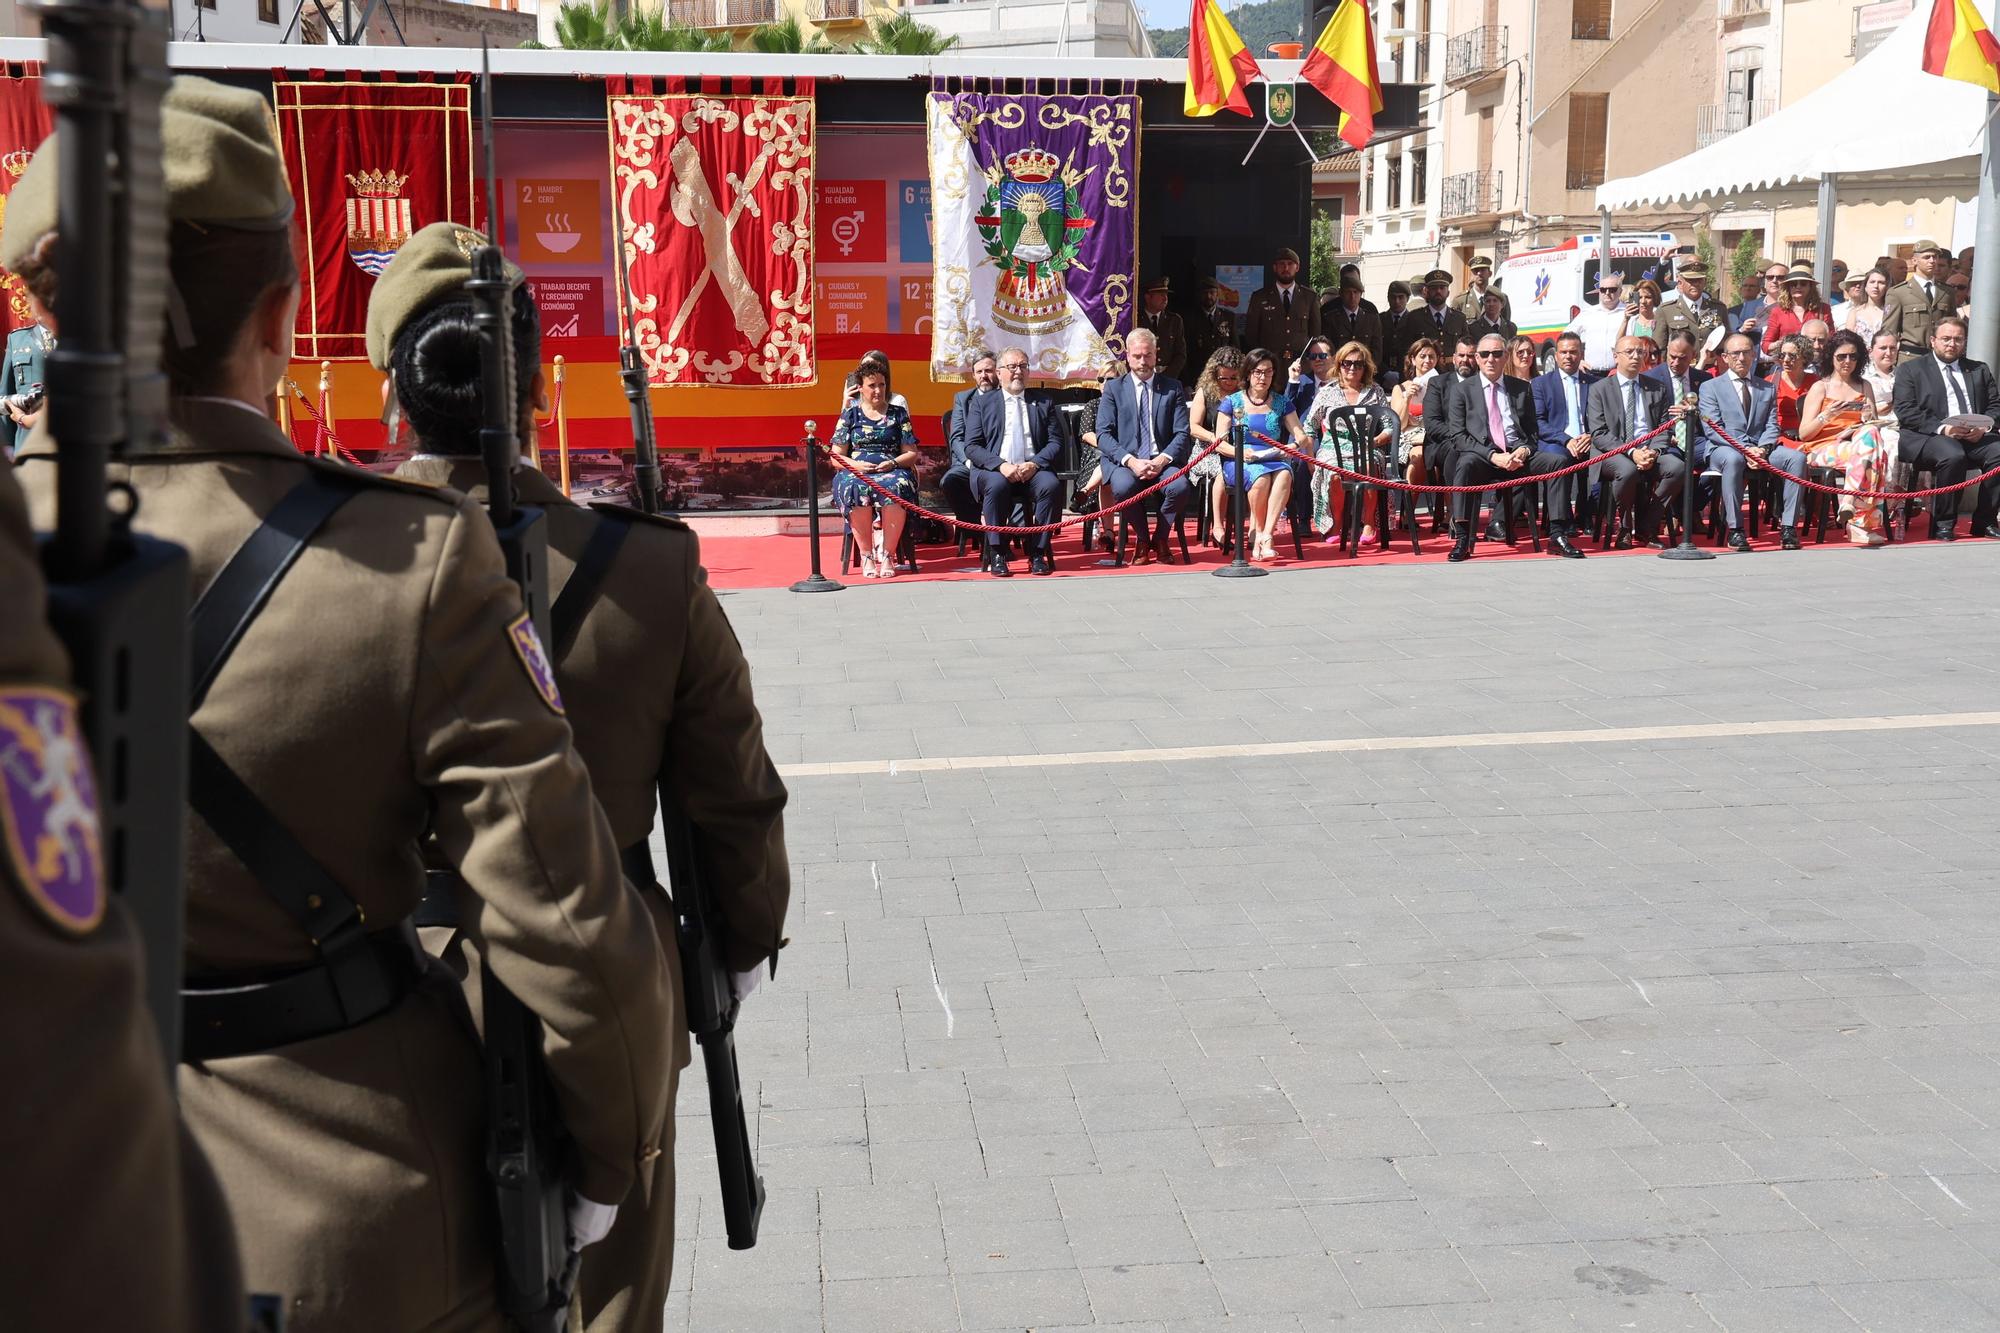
[1642, 319]
[1792, 379]
[1799, 307]
[1312, 372]
[1257, 407]
[1523, 357]
[1407, 402]
[1221, 377]
[1353, 386]
[1841, 426]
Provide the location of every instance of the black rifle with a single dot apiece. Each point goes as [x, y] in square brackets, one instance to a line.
[705, 980]
[527, 1149]
[118, 599]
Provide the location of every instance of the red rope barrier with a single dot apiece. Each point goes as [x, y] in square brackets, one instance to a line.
[555, 407]
[1393, 484]
[1027, 529]
[1765, 466]
[325, 432]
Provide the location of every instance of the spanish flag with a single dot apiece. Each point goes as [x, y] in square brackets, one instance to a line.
[1958, 45]
[1342, 65]
[1219, 65]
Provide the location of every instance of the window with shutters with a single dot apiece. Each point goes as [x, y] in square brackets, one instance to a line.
[1590, 20]
[267, 11]
[1587, 116]
[1395, 184]
[1420, 166]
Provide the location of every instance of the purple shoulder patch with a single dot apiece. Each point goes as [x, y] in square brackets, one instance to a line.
[528, 647]
[48, 808]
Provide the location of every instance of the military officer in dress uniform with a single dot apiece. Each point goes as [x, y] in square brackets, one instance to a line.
[1212, 326]
[1437, 317]
[1166, 327]
[21, 378]
[1351, 319]
[1695, 313]
[392, 686]
[1283, 315]
[111, 1217]
[655, 683]
[1471, 302]
[1911, 307]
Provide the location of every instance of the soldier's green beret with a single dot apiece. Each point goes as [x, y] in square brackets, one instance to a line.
[433, 265]
[222, 168]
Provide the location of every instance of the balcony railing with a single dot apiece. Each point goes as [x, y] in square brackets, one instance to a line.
[721, 13]
[842, 11]
[1469, 194]
[1591, 29]
[1475, 56]
[1733, 10]
[1719, 120]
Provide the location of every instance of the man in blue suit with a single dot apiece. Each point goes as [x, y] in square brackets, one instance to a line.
[1142, 433]
[1747, 408]
[956, 483]
[1562, 405]
[1012, 443]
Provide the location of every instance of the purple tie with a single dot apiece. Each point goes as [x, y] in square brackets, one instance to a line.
[1496, 425]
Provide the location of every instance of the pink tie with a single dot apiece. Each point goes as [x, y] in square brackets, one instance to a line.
[1496, 425]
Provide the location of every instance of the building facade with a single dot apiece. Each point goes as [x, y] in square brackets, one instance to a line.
[1032, 28]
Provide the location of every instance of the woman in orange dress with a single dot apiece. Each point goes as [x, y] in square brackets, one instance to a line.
[1792, 379]
[1840, 426]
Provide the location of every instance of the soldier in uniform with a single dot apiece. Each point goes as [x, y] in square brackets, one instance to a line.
[1212, 326]
[1911, 307]
[391, 687]
[1166, 327]
[1352, 319]
[1694, 313]
[656, 686]
[1283, 315]
[1471, 301]
[1437, 317]
[1396, 336]
[21, 377]
[1492, 319]
[112, 1218]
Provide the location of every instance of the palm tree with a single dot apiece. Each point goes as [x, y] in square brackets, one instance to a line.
[901, 35]
[596, 27]
[790, 37]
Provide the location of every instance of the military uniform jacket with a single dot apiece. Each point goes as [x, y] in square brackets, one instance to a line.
[1206, 333]
[1167, 327]
[1480, 328]
[110, 1216]
[1268, 325]
[1908, 314]
[1678, 316]
[26, 365]
[1420, 321]
[1364, 326]
[1471, 303]
[381, 696]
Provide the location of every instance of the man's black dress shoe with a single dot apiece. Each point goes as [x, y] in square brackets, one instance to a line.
[1564, 547]
[1788, 539]
[1496, 532]
[1737, 541]
[1945, 534]
[998, 568]
[1461, 549]
[1041, 564]
[1991, 530]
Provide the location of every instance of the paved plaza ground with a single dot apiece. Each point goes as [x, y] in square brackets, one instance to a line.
[1604, 945]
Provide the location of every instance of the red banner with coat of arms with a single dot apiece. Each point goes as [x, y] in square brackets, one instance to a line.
[24, 123]
[368, 163]
[715, 186]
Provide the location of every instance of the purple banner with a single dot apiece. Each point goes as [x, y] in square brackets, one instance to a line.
[1036, 221]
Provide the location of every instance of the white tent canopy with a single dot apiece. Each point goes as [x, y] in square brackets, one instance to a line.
[1883, 122]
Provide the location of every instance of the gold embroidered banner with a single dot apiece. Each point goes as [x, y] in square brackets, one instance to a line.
[716, 191]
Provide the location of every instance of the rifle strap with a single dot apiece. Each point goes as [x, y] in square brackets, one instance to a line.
[281, 866]
[585, 583]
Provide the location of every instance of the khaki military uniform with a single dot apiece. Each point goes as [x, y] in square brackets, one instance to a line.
[1677, 316]
[1167, 327]
[109, 1219]
[1471, 303]
[655, 683]
[380, 697]
[1208, 333]
[1268, 325]
[1364, 326]
[1908, 314]
[1481, 328]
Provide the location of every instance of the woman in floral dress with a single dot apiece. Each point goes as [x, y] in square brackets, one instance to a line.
[877, 440]
[1840, 426]
[1353, 385]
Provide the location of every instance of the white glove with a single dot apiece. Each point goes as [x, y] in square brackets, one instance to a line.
[589, 1222]
[741, 984]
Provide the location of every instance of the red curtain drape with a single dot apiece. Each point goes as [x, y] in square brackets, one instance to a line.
[24, 123]
[716, 186]
[369, 163]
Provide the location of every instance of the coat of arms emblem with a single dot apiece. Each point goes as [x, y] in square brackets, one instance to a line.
[378, 219]
[1033, 230]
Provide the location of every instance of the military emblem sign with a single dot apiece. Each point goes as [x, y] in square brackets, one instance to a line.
[48, 808]
[378, 219]
[21, 315]
[1281, 112]
[1033, 229]
[528, 647]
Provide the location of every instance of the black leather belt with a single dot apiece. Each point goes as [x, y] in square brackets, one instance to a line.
[440, 903]
[359, 982]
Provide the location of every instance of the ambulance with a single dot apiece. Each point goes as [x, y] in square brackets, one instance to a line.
[1549, 287]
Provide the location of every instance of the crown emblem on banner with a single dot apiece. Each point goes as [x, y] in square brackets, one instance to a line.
[17, 161]
[376, 184]
[1032, 165]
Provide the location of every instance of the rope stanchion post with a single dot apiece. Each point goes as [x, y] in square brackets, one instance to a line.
[325, 406]
[1239, 566]
[284, 398]
[562, 433]
[815, 581]
[1687, 550]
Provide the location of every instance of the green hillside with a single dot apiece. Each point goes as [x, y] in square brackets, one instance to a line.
[1259, 23]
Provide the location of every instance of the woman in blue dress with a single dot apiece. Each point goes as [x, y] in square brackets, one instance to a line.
[876, 438]
[1257, 407]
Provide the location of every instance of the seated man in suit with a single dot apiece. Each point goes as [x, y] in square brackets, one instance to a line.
[1683, 380]
[956, 483]
[1489, 423]
[1931, 390]
[1142, 432]
[1747, 408]
[1562, 409]
[1013, 441]
[1623, 406]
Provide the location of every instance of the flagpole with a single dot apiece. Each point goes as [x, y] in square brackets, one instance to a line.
[1984, 342]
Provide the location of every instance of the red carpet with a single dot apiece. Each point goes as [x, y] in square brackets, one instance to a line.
[777, 561]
